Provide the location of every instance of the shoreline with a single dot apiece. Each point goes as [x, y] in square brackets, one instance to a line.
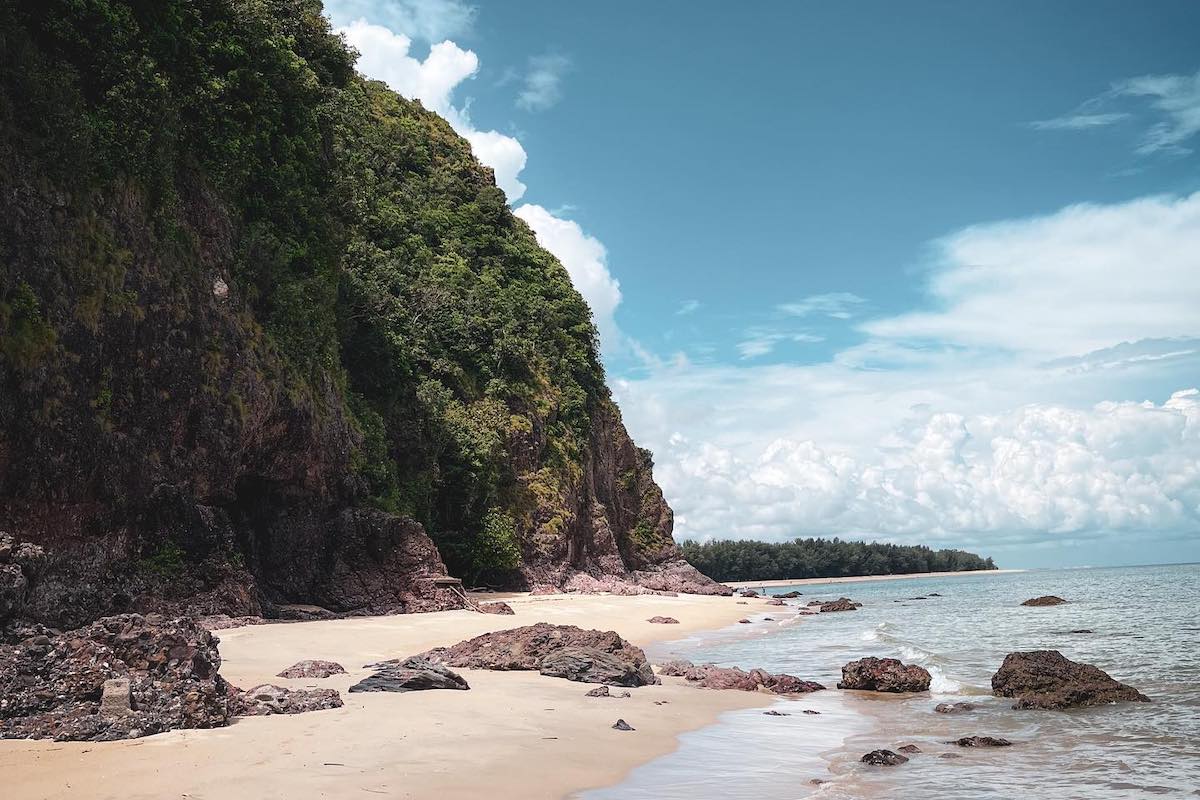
[493, 740]
[867, 578]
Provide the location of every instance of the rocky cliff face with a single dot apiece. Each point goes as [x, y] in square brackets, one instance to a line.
[269, 335]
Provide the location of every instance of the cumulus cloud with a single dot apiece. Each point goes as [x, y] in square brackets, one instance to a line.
[1040, 468]
[979, 418]
[542, 87]
[1171, 104]
[585, 260]
[385, 55]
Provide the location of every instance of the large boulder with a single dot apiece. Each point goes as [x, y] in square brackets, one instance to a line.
[413, 674]
[710, 676]
[1045, 600]
[1047, 679]
[884, 675]
[498, 607]
[981, 741]
[530, 647]
[53, 685]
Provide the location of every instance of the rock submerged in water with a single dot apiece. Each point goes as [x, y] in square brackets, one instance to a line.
[789, 595]
[954, 708]
[657, 620]
[908, 748]
[497, 607]
[884, 675]
[1047, 679]
[1045, 600]
[312, 669]
[981, 741]
[591, 656]
[841, 604]
[53, 685]
[413, 674]
[884, 758]
[710, 676]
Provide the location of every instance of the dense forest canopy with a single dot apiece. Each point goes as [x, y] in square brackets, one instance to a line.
[383, 308]
[745, 560]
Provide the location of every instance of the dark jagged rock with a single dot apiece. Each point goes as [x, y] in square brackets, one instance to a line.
[268, 699]
[51, 687]
[981, 741]
[1047, 679]
[908, 748]
[498, 607]
[747, 593]
[622, 725]
[789, 595]
[1046, 600]
[768, 619]
[954, 708]
[663, 620]
[884, 675]
[591, 665]
[813, 603]
[531, 648]
[710, 676]
[1083, 630]
[744, 621]
[775, 714]
[312, 669]
[934, 594]
[841, 604]
[884, 758]
[810, 711]
[414, 674]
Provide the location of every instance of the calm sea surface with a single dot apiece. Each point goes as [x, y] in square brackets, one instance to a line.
[1146, 623]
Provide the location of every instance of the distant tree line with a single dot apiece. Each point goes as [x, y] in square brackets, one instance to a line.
[746, 560]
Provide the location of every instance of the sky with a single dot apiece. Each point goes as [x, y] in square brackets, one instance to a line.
[922, 273]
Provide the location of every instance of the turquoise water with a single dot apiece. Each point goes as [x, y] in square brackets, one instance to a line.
[1146, 623]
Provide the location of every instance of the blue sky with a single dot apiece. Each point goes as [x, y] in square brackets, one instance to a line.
[923, 272]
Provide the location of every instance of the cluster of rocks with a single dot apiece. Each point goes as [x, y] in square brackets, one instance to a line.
[884, 675]
[563, 651]
[52, 686]
[841, 604]
[710, 676]
[312, 669]
[658, 620]
[261, 701]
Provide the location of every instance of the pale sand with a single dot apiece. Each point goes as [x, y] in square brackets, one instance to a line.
[512, 735]
[852, 579]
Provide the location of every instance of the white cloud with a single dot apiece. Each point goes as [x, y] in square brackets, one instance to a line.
[1085, 278]
[585, 260]
[839, 305]
[1171, 101]
[688, 307]
[1078, 122]
[980, 419]
[385, 55]
[761, 342]
[543, 82]
[427, 20]
[1115, 467]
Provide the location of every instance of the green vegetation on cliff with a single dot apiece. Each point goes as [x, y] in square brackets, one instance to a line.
[746, 560]
[367, 274]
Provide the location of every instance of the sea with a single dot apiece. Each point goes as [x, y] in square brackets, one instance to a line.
[1145, 631]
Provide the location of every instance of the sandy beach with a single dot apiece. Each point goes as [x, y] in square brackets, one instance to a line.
[497, 740]
[861, 578]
